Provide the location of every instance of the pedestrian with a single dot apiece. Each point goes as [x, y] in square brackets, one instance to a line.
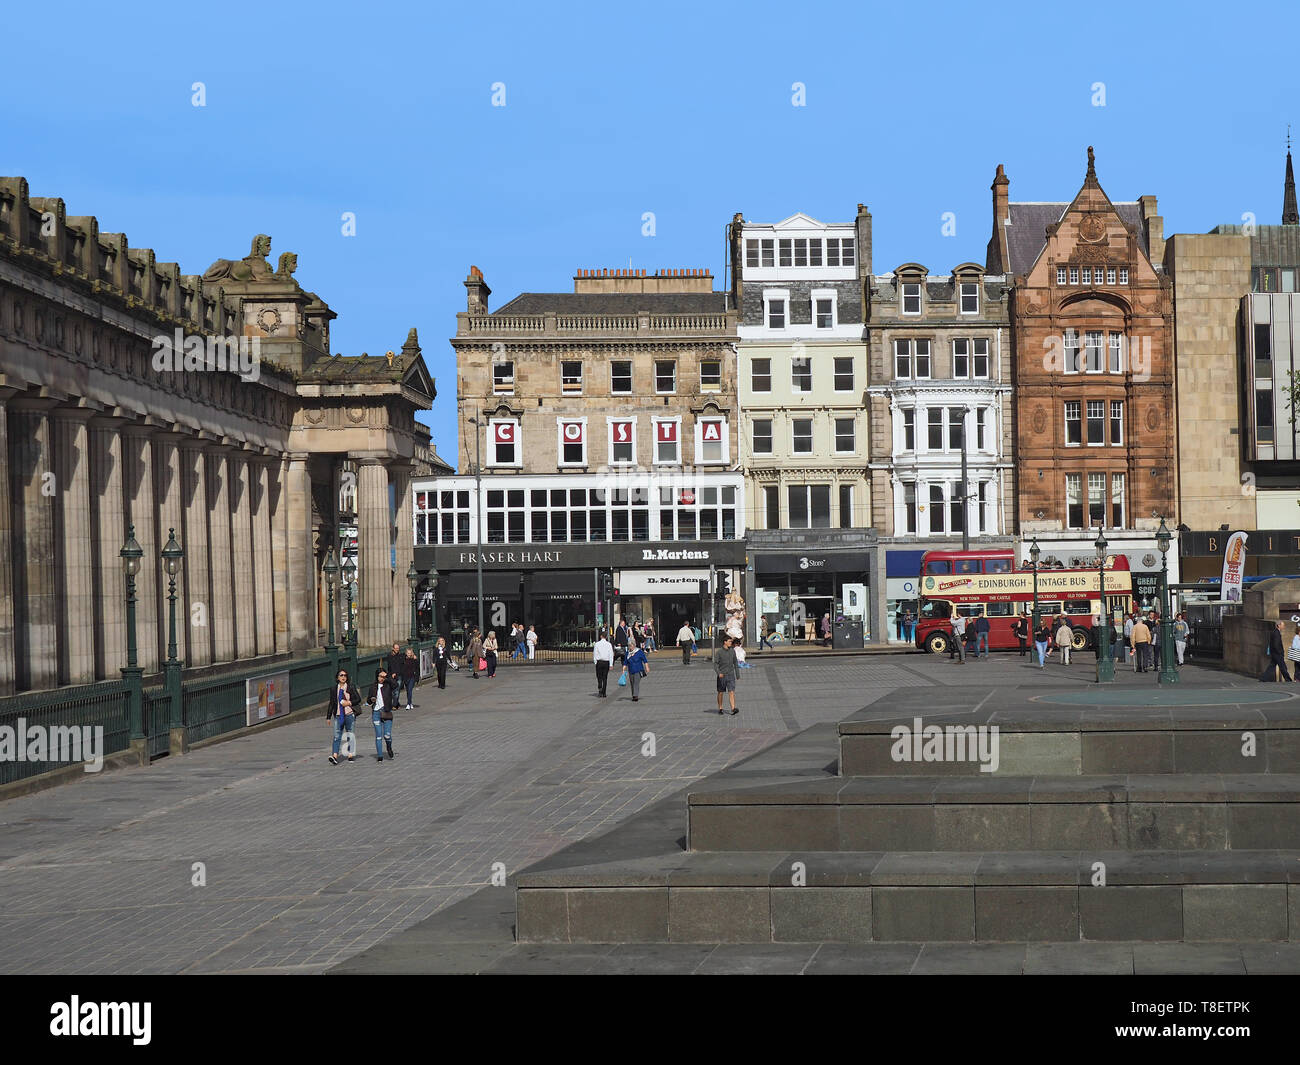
[651, 643]
[898, 621]
[394, 663]
[531, 639]
[638, 633]
[981, 637]
[826, 630]
[410, 676]
[909, 624]
[490, 653]
[1275, 658]
[686, 641]
[1020, 630]
[959, 636]
[441, 657]
[603, 656]
[1140, 640]
[1129, 622]
[621, 637]
[517, 643]
[763, 631]
[724, 663]
[1181, 630]
[637, 667]
[381, 698]
[344, 703]
[1042, 641]
[1293, 653]
[1064, 641]
[474, 651]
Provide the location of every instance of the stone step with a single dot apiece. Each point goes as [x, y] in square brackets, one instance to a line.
[1068, 742]
[849, 897]
[1209, 812]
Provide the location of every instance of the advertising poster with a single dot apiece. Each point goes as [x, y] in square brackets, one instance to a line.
[266, 697]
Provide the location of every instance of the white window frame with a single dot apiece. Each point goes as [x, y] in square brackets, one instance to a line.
[1083, 500]
[631, 371]
[700, 460]
[1123, 275]
[975, 357]
[812, 435]
[1115, 352]
[656, 460]
[957, 375]
[1071, 361]
[771, 436]
[853, 373]
[760, 391]
[770, 294]
[1110, 275]
[904, 296]
[835, 434]
[902, 428]
[659, 391]
[492, 443]
[1074, 275]
[565, 388]
[1116, 404]
[506, 391]
[1123, 501]
[908, 347]
[1061, 275]
[794, 389]
[825, 294]
[560, 423]
[1077, 421]
[1087, 423]
[916, 357]
[610, 422]
[711, 388]
[961, 296]
[1103, 351]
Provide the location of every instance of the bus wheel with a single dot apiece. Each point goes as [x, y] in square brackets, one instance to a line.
[936, 643]
[1079, 640]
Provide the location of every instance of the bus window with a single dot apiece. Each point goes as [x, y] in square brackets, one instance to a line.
[970, 610]
[998, 610]
[997, 565]
[968, 565]
[1049, 607]
[936, 608]
[938, 567]
[1078, 606]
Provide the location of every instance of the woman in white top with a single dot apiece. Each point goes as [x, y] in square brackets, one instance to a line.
[532, 642]
[1293, 653]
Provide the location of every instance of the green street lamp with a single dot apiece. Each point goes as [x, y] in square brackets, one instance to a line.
[172, 555]
[1168, 671]
[1105, 661]
[131, 554]
[413, 579]
[331, 568]
[1035, 553]
[349, 576]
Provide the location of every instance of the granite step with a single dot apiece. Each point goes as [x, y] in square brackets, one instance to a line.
[1191, 812]
[857, 897]
[1067, 742]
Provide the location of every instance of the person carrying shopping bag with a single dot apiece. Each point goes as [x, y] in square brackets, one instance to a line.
[637, 667]
[473, 651]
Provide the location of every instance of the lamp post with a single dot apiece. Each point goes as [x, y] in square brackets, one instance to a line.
[413, 579]
[132, 673]
[172, 555]
[1105, 662]
[331, 572]
[478, 514]
[349, 575]
[1035, 553]
[1168, 671]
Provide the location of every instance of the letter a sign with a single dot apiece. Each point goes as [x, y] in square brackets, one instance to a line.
[711, 431]
[573, 432]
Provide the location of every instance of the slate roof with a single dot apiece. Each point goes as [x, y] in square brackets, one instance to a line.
[615, 303]
[1027, 233]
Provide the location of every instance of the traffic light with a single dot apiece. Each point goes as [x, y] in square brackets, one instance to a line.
[724, 582]
[606, 585]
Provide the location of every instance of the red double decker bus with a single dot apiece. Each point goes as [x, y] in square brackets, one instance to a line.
[988, 584]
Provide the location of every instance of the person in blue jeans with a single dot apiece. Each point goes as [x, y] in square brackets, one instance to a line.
[345, 700]
[382, 699]
[981, 637]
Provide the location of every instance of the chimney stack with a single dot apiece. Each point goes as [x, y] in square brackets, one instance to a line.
[477, 292]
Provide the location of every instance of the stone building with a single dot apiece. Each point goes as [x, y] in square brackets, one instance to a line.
[803, 435]
[603, 422]
[134, 395]
[1091, 318]
[940, 365]
[1237, 330]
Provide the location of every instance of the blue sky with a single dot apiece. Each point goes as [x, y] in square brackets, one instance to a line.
[612, 110]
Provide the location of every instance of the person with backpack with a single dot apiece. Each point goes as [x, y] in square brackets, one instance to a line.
[637, 667]
[345, 701]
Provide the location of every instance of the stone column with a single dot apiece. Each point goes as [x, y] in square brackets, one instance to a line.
[6, 555]
[196, 599]
[400, 472]
[32, 493]
[171, 516]
[263, 609]
[141, 511]
[75, 566]
[221, 613]
[374, 579]
[300, 555]
[108, 533]
[241, 546]
[278, 513]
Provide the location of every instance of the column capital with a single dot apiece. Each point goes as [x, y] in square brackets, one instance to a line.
[198, 440]
[74, 414]
[369, 458]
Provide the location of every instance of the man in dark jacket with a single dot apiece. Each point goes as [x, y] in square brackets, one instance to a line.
[621, 635]
[981, 637]
[1276, 657]
[394, 664]
[725, 664]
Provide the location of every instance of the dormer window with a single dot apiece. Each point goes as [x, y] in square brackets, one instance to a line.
[970, 298]
[912, 298]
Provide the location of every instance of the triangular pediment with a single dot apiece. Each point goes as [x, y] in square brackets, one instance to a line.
[799, 220]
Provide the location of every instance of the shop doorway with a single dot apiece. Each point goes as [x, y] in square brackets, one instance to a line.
[671, 612]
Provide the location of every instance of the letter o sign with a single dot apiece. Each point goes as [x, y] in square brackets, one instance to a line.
[573, 432]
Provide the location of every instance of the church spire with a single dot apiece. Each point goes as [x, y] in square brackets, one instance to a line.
[1290, 215]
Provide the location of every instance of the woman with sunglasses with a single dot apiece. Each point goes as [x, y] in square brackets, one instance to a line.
[344, 701]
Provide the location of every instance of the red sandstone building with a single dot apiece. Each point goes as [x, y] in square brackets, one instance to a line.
[1092, 340]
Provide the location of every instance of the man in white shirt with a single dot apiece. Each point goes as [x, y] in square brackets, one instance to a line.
[603, 655]
[686, 640]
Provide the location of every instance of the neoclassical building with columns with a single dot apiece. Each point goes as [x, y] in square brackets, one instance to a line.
[133, 395]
